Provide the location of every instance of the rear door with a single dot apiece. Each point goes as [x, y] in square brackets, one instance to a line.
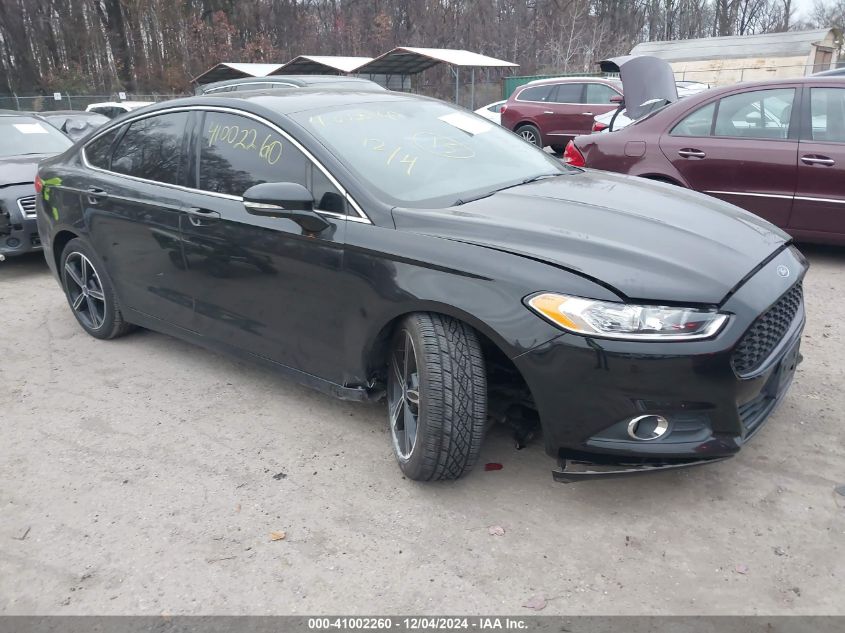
[133, 203]
[820, 197]
[564, 114]
[742, 148]
[261, 284]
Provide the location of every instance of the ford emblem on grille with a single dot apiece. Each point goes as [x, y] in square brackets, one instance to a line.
[783, 271]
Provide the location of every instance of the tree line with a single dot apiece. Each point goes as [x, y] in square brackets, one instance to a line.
[100, 46]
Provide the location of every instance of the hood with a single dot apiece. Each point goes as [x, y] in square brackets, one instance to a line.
[16, 170]
[644, 79]
[648, 241]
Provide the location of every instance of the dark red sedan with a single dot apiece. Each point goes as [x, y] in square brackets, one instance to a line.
[775, 148]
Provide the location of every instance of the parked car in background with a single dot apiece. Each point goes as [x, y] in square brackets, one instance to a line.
[550, 112]
[288, 81]
[612, 121]
[111, 109]
[24, 140]
[385, 245]
[74, 123]
[833, 72]
[492, 111]
[775, 148]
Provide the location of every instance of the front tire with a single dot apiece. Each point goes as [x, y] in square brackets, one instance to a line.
[530, 134]
[90, 293]
[436, 396]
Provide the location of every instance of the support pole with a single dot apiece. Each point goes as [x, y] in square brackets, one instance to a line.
[472, 90]
[457, 84]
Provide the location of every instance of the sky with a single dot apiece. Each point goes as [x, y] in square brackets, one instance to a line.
[803, 8]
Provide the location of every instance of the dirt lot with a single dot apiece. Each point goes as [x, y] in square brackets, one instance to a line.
[145, 475]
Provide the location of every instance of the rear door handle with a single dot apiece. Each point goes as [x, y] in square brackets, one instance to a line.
[197, 214]
[587, 113]
[818, 160]
[548, 112]
[691, 153]
[94, 195]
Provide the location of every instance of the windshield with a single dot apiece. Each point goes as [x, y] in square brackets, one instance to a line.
[426, 153]
[20, 135]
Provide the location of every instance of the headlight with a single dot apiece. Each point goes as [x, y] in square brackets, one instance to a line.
[606, 319]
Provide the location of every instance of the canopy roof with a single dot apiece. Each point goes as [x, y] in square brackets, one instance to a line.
[789, 44]
[405, 60]
[235, 70]
[321, 64]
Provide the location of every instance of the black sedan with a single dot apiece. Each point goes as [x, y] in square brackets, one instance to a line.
[383, 245]
[24, 140]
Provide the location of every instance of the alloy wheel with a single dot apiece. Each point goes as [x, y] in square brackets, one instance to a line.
[85, 290]
[529, 136]
[404, 397]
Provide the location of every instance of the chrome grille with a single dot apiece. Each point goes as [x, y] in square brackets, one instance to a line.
[27, 206]
[766, 332]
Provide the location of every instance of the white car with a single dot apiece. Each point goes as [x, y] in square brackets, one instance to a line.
[492, 111]
[601, 123]
[112, 109]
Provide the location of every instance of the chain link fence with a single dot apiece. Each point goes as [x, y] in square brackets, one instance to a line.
[60, 101]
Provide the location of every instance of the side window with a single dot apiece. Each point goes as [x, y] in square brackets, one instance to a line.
[827, 113]
[152, 148]
[98, 152]
[696, 124]
[568, 93]
[237, 152]
[537, 93]
[756, 114]
[599, 93]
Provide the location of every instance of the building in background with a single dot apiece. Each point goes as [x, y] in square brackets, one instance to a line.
[728, 60]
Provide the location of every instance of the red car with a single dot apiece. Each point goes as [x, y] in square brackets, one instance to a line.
[775, 148]
[554, 111]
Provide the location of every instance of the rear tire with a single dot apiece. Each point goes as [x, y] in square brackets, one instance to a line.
[531, 134]
[436, 396]
[559, 149]
[90, 292]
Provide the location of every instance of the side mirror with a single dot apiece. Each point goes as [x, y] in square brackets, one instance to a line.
[617, 99]
[285, 200]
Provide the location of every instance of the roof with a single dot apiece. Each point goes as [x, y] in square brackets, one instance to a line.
[789, 44]
[235, 70]
[406, 60]
[315, 64]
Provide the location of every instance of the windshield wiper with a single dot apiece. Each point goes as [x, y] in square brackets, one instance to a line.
[461, 201]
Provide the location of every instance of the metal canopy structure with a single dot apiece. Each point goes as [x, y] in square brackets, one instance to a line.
[235, 70]
[406, 60]
[321, 65]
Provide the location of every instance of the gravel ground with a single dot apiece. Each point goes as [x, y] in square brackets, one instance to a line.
[145, 476]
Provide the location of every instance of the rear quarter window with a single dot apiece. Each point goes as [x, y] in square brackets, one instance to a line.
[537, 93]
[152, 148]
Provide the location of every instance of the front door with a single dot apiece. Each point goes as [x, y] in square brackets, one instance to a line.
[820, 198]
[742, 149]
[133, 203]
[262, 284]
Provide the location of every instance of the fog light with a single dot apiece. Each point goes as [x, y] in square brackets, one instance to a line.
[13, 242]
[647, 427]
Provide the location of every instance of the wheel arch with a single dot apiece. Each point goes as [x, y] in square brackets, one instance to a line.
[494, 346]
[60, 240]
[663, 178]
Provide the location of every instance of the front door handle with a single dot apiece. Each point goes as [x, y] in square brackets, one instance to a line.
[587, 113]
[548, 112]
[94, 195]
[818, 160]
[691, 153]
[196, 215]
